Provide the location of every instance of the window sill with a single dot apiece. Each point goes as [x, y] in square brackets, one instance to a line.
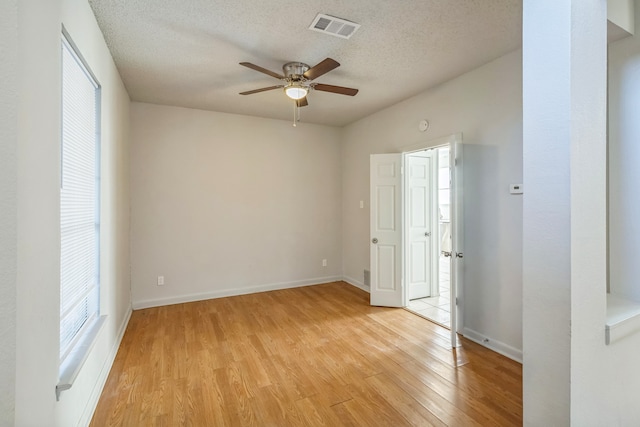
[623, 318]
[70, 369]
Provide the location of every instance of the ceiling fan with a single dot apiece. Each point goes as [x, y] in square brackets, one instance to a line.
[298, 80]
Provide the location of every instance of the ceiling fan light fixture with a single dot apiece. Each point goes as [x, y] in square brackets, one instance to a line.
[295, 91]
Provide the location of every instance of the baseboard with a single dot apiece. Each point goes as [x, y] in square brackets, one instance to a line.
[92, 403]
[356, 283]
[497, 346]
[179, 299]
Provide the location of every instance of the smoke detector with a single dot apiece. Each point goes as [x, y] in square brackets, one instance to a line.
[334, 26]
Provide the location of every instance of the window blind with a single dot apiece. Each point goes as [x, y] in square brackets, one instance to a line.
[79, 201]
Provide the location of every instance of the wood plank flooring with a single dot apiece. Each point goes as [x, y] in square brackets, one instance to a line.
[312, 356]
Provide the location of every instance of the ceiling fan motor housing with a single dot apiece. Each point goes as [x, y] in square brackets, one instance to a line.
[295, 70]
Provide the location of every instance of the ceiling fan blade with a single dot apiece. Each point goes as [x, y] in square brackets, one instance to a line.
[336, 89]
[264, 89]
[320, 69]
[302, 102]
[262, 70]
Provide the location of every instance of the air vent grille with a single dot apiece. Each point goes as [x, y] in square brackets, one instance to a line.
[334, 26]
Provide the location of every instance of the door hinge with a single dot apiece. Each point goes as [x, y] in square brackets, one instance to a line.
[401, 170]
[457, 301]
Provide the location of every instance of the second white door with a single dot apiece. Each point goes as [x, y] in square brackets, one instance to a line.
[420, 234]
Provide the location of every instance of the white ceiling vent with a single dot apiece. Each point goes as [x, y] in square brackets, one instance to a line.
[334, 26]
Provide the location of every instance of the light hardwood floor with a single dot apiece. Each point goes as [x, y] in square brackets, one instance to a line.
[318, 355]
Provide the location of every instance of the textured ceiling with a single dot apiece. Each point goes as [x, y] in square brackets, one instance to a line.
[186, 52]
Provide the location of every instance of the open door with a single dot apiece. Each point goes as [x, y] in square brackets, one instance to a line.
[386, 230]
[420, 224]
[457, 235]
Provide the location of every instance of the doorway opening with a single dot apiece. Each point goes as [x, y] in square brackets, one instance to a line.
[428, 271]
[405, 225]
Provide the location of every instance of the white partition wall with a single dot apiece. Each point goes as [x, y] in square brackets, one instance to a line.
[546, 213]
[571, 377]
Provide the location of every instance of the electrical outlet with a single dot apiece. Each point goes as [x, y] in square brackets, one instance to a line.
[160, 280]
[324, 262]
[516, 189]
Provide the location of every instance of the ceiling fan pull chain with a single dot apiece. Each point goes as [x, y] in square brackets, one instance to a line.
[295, 106]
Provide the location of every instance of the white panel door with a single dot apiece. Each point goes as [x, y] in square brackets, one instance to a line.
[457, 235]
[419, 224]
[386, 230]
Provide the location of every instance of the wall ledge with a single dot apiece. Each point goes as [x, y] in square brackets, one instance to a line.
[71, 366]
[620, 14]
[623, 318]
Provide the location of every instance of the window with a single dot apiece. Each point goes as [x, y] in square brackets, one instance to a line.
[79, 202]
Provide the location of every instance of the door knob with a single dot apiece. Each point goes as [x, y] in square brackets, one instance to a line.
[374, 240]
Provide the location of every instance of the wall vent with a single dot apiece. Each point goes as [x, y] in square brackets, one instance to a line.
[334, 26]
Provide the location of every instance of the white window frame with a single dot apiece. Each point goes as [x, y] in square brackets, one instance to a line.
[80, 320]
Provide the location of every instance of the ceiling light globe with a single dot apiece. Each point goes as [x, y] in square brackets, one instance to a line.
[296, 92]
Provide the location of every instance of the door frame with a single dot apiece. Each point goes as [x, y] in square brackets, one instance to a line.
[457, 287]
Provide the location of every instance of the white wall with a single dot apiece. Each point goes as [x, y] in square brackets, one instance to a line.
[486, 106]
[38, 211]
[37, 348]
[607, 389]
[8, 206]
[224, 204]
